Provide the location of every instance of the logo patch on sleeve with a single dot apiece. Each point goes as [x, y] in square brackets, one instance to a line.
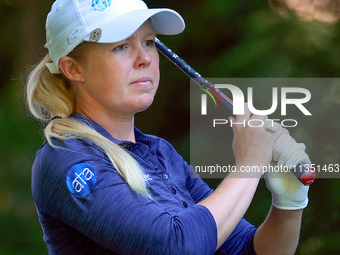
[80, 179]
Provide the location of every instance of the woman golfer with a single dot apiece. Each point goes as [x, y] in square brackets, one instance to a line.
[100, 185]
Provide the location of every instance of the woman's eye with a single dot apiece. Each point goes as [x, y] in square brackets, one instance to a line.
[149, 43]
[120, 47]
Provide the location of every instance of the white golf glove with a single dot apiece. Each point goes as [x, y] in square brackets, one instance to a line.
[288, 193]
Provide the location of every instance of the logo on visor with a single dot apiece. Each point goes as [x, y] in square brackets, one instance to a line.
[100, 5]
[80, 179]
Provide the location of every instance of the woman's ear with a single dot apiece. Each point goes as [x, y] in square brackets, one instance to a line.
[71, 69]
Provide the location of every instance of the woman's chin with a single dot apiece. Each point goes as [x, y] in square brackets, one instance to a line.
[143, 104]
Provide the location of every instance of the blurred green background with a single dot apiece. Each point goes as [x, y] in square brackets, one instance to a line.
[222, 39]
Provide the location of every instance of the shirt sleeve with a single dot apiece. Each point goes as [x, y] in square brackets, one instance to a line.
[116, 217]
[241, 239]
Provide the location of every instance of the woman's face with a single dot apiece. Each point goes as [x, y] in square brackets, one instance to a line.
[120, 79]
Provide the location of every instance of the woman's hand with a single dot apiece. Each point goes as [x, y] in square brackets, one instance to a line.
[253, 145]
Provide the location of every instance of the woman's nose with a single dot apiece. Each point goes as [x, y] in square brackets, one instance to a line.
[143, 58]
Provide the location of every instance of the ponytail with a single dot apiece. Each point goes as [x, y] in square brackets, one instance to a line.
[50, 95]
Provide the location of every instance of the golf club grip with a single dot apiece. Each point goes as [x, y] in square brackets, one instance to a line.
[305, 176]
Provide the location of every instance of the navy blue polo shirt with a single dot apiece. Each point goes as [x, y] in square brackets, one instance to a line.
[86, 207]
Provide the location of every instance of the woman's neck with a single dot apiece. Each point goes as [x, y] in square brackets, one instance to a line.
[119, 128]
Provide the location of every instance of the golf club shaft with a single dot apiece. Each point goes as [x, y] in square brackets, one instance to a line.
[303, 174]
[225, 101]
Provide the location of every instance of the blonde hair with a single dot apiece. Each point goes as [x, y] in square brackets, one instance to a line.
[49, 95]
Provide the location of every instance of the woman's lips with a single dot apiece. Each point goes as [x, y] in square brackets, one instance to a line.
[142, 81]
